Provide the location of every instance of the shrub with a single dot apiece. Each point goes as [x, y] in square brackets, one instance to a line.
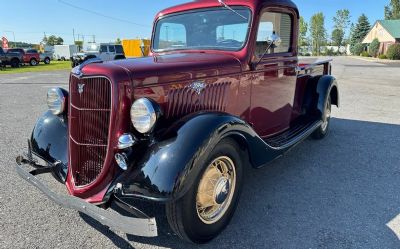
[393, 52]
[374, 47]
[365, 54]
[382, 57]
[357, 49]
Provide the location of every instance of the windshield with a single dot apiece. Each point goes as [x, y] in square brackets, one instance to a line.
[92, 48]
[217, 28]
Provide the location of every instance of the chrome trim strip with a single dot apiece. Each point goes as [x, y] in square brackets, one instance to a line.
[146, 227]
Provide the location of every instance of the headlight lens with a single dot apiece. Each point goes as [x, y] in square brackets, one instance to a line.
[56, 101]
[143, 115]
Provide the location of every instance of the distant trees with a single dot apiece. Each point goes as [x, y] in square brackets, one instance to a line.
[342, 22]
[303, 41]
[52, 40]
[318, 32]
[118, 41]
[392, 11]
[359, 32]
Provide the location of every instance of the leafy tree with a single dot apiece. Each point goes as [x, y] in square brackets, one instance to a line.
[374, 47]
[358, 49]
[393, 52]
[337, 37]
[303, 32]
[79, 44]
[54, 40]
[118, 41]
[392, 11]
[342, 19]
[360, 31]
[318, 32]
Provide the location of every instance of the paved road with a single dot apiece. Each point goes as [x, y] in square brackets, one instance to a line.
[342, 192]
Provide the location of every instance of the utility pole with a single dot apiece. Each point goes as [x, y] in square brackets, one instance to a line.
[94, 38]
[73, 34]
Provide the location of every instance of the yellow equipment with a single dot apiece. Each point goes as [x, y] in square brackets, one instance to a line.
[136, 47]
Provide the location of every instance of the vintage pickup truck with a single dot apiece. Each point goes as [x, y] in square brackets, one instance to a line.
[222, 89]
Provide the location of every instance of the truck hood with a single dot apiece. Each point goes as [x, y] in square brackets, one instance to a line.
[178, 67]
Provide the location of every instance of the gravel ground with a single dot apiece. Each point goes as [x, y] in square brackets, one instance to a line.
[342, 192]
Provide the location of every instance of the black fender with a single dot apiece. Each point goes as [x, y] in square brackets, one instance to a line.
[171, 165]
[319, 88]
[49, 141]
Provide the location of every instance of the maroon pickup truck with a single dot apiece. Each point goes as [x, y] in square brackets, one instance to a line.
[222, 89]
[30, 56]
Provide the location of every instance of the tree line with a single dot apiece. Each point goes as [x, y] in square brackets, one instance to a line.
[314, 34]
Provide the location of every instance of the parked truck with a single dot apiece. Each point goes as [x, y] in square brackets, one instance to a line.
[64, 52]
[14, 59]
[102, 51]
[222, 89]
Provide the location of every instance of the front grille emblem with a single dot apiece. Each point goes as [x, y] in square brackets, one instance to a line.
[198, 86]
[80, 88]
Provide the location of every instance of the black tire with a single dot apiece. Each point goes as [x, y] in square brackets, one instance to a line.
[14, 63]
[323, 130]
[33, 62]
[182, 214]
[47, 60]
[63, 58]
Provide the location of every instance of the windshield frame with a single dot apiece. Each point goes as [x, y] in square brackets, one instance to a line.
[235, 7]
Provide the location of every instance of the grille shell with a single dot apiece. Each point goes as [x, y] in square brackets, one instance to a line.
[89, 120]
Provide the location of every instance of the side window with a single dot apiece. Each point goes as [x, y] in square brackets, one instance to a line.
[111, 49]
[119, 49]
[103, 48]
[274, 24]
[172, 35]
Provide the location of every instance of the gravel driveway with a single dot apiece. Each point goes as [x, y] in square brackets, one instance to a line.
[342, 192]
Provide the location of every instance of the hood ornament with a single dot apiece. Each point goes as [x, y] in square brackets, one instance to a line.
[80, 88]
[198, 86]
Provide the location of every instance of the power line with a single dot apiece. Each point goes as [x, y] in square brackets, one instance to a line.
[102, 15]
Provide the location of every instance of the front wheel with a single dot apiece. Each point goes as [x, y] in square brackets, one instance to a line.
[47, 60]
[322, 131]
[33, 62]
[208, 206]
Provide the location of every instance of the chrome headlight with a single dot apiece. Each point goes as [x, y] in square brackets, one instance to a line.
[143, 115]
[56, 100]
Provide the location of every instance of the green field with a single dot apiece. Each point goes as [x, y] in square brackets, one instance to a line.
[54, 65]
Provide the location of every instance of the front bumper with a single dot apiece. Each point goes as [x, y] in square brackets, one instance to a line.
[145, 227]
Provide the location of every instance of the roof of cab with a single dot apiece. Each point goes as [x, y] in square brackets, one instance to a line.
[252, 4]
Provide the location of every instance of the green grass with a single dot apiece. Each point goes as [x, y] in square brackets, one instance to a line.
[53, 66]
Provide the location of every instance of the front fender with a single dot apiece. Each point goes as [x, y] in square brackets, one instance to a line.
[172, 164]
[49, 141]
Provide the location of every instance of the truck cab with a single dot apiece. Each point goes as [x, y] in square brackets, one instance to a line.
[221, 89]
[102, 51]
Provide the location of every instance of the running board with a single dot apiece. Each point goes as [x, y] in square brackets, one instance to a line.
[294, 135]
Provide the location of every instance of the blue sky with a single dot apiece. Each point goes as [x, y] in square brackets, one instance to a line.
[30, 19]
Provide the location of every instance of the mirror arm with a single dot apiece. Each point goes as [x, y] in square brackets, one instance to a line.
[265, 52]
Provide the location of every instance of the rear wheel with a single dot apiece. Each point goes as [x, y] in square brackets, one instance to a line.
[33, 62]
[14, 63]
[323, 130]
[208, 206]
[47, 60]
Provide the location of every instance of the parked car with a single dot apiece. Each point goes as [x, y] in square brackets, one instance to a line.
[103, 51]
[29, 56]
[10, 58]
[46, 57]
[179, 127]
[64, 52]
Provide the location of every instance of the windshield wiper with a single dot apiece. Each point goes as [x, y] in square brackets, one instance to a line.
[229, 8]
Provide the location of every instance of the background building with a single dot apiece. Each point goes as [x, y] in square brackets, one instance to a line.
[386, 31]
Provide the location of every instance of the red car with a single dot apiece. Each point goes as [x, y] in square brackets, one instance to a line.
[222, 89]
[30, 56]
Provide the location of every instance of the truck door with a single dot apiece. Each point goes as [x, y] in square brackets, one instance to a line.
[104, 55]
[274, 77]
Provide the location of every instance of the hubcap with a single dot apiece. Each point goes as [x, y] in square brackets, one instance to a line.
[327, 116]
[216, 189]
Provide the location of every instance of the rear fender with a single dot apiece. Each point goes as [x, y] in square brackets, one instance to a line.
[319, 88]
[49, 141]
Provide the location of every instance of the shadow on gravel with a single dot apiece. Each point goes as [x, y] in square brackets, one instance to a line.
[339, 192]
